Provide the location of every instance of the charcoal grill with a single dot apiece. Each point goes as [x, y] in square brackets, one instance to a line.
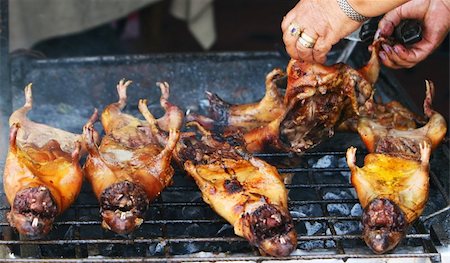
[179, 226]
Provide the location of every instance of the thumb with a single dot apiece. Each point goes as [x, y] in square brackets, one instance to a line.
[388, 22]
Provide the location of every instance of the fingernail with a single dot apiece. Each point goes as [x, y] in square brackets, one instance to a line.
[377, 34]
[382, 55]
[399, 49]
[386, 48]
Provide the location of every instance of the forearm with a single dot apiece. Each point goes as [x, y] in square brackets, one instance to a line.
[371, 8]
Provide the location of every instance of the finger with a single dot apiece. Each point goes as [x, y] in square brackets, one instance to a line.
[393, 56]
[287, 20]
[304, 53]
[291, 31]
[388, 22]
[321, 49]
[305, 44]
[387, 61]
[405, 57]
[290, 44]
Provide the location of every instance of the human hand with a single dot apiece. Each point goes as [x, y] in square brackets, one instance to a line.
[435, 18]
[323, 21]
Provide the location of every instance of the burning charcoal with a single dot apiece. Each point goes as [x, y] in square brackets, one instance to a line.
[342, 163]
[307, 210]
[338, 209]
[296, 214]
[327, 161]
[313, 228]
[346, 227]
[311, 245]
[330, 244]
[184, 248]
[225, 230]
[356, 210]
[157, 249]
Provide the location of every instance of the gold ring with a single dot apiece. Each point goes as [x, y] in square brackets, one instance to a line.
[305, 43]
[307, 38]
[294, 29]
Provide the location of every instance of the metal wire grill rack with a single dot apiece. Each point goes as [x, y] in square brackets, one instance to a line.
[180, 227]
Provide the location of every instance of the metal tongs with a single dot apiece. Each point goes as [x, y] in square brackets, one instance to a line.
[408, 32]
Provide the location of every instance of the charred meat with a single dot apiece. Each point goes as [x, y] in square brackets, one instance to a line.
[318, 98]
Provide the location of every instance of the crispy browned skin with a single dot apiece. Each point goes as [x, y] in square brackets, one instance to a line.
[228, 118]
[389, 115]
[244, 190]
[42, 176]
[404, 143]
[393, 185]
[131, 166]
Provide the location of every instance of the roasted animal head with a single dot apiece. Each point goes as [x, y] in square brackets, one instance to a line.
[246, 191]
[384, 225]
[123, 206]
[33, 212]
[42, 174]
[270, 228]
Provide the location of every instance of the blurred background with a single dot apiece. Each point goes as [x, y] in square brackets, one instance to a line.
[55, 29]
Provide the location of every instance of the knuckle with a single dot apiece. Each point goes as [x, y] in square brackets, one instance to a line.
[321, 47]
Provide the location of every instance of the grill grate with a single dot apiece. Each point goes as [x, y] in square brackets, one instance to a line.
[180, 227]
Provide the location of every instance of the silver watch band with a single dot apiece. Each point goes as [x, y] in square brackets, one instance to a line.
[350, 12]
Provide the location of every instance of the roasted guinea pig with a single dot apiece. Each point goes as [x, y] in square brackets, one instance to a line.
[131, 166]
[246, 191]
[226, 118]
[318, 98]
[393, 184]
[42, 176]
[389, 115]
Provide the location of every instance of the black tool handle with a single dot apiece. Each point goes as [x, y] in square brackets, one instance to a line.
[368, 29]
[408, 32]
